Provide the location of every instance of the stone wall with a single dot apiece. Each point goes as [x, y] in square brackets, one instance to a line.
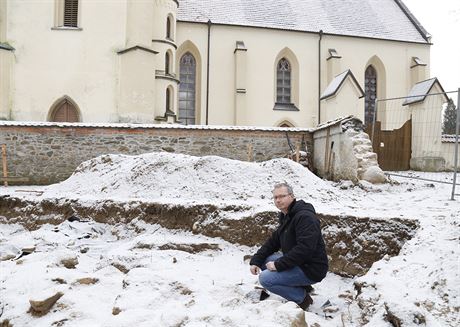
[343, 151]
[46, 153]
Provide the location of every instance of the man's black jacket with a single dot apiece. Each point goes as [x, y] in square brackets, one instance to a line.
[299, 238]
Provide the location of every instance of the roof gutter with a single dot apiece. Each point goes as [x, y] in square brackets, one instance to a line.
[308, 32]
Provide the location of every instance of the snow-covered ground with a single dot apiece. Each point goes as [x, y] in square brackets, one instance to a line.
[164, 287]
[171, 282]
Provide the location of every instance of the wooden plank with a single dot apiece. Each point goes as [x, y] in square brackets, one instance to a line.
[329, 158]
[5, 167]
[407, 154]
[14, 179]
[326, 150]
[331, 170]
[250, 153]
[297, 153]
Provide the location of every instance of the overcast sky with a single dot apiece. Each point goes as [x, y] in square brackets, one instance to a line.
[441, 18]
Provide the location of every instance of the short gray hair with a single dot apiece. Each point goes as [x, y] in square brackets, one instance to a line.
[286, 185]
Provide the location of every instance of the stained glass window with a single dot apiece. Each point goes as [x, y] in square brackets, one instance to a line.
[187, 89]
[283, 81]
[370, 90]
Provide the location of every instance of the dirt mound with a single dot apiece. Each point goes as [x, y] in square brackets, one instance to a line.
[170, 178]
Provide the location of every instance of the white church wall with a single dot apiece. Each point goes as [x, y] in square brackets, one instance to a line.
[50, 63]
[263, 46]
[135, 94]
[345, 101]
[395, 56]
[6, 69]
[84, 65]
[391, 59]
[193, 38]
[140, 23]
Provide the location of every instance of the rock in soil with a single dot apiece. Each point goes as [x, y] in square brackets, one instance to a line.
[87, 281]
[41, 308]
[70, 263]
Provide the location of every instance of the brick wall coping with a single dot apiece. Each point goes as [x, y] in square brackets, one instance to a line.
[8, 123]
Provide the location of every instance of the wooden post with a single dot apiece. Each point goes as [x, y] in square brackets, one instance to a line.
[5, 171]
[326, 149]
[329, 157]
[331, 171]
[250, 155]
[297, 153]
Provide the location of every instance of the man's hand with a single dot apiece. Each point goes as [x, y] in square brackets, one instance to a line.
[271, 266]
[254, 270]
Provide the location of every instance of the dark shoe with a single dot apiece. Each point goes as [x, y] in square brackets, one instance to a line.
[306, 302]
[309, 289]
[263, 295]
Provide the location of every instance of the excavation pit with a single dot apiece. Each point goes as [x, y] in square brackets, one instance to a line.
[353, 243]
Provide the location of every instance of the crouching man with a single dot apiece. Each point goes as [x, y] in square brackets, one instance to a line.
[302, 261]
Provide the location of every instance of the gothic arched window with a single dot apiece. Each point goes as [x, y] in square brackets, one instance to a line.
[187, 88]
[168, 100]
[168, 28]
[370, 90]
[283, 81]
[167, 60]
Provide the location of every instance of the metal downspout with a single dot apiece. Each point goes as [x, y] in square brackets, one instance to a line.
[320, 33]
[207, 71]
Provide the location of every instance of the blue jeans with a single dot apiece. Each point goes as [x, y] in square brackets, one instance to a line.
[288, 283]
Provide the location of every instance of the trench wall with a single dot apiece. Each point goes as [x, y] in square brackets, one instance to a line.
[353, 243]
[47, 153]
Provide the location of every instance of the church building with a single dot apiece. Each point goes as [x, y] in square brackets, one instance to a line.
[206, 62]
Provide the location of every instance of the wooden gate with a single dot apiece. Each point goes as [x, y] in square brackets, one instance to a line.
[393, 147]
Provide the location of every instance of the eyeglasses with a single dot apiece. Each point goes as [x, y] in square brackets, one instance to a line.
[282, 196]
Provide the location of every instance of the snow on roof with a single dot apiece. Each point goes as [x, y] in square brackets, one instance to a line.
[337, 82]
[337, 121]
[381, 19]
[151, 126]
[420, 90]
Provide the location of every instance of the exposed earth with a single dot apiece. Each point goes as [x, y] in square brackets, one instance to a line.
[163, 239]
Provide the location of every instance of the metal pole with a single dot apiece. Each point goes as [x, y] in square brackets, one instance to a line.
[420, 95]
[457, 127]
[415, 177]
[320, 33]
